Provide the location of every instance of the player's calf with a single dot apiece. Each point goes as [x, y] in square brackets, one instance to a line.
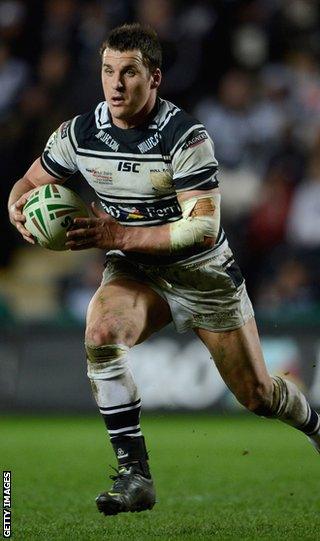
[257, 397]
[119, 403]
[288, 404]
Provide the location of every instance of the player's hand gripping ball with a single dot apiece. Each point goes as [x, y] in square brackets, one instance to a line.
[49, 214]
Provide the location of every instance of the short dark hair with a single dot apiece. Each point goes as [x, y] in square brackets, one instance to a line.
[135, 36]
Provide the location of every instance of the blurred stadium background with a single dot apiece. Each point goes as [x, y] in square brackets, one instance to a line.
[250, 71]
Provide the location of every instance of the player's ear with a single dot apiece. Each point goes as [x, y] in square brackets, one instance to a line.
[156, 78]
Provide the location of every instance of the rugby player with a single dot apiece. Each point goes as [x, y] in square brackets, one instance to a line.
[153, 168]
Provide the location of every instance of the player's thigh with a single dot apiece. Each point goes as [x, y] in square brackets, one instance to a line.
[125, 311]
[239, 359]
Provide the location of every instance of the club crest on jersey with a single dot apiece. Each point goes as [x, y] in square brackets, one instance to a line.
[161, 180]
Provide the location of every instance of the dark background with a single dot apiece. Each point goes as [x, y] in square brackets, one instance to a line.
[249, 70]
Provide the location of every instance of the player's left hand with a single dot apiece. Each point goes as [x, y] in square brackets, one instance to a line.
[100, 231]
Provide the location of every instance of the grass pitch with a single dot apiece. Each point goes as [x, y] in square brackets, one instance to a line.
[217, 478]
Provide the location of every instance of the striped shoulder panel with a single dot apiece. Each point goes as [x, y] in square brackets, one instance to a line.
[58, 157]
[84, 127]
[174, 124]
[166, 112]
[101, 116]
[72, 133]
[190, 148]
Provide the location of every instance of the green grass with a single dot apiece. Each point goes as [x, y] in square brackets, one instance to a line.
[217, 478]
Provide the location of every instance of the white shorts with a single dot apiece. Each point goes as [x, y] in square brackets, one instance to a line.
[208, 294]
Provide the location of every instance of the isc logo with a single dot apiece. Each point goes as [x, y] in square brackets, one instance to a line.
[129, 167]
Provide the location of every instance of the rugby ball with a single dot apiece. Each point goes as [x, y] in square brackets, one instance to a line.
[49, 213]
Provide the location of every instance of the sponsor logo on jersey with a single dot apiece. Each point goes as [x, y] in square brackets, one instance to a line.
[129, 167]
[149, 143]
[99, 175]
[145, 212]
[64, 129]
[123, 213]
[111, 209]
[107, 140]
[132, 213]
[164, 212]
[194, 139]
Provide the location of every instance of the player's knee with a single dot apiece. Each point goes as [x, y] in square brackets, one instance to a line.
[105, 353]
[110, 330]
[107, 342]
[107, 361]
[259, 399]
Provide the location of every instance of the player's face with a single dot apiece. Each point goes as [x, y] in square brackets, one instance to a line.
[128, 85]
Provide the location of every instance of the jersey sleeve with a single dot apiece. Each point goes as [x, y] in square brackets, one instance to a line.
[194, 164]
[59, 155]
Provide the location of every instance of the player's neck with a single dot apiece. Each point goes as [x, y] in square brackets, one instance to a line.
[140, 118]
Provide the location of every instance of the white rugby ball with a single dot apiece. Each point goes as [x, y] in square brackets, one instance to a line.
[49, 213]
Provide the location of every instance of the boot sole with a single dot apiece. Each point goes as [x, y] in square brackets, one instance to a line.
[112, 507]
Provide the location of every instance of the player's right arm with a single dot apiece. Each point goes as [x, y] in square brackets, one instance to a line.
[57, 163]
[35, 176]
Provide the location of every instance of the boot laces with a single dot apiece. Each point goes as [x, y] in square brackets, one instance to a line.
[121, 478]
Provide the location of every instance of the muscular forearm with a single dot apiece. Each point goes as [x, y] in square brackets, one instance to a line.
[35, 176]
[196, 228]
[17, 199]
[199, 226]
[155, 240]
[149, 240]
[21, 187]
[107, 234]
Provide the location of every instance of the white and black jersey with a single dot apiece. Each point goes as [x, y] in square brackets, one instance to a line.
[138, 172]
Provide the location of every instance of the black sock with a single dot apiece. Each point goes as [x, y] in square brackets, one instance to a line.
[132, 452]
[122, 420]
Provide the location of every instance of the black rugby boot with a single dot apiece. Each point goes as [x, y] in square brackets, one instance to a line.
[130, 492]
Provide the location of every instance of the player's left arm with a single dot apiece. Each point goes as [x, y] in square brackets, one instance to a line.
[198, 226]
[194, 175]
